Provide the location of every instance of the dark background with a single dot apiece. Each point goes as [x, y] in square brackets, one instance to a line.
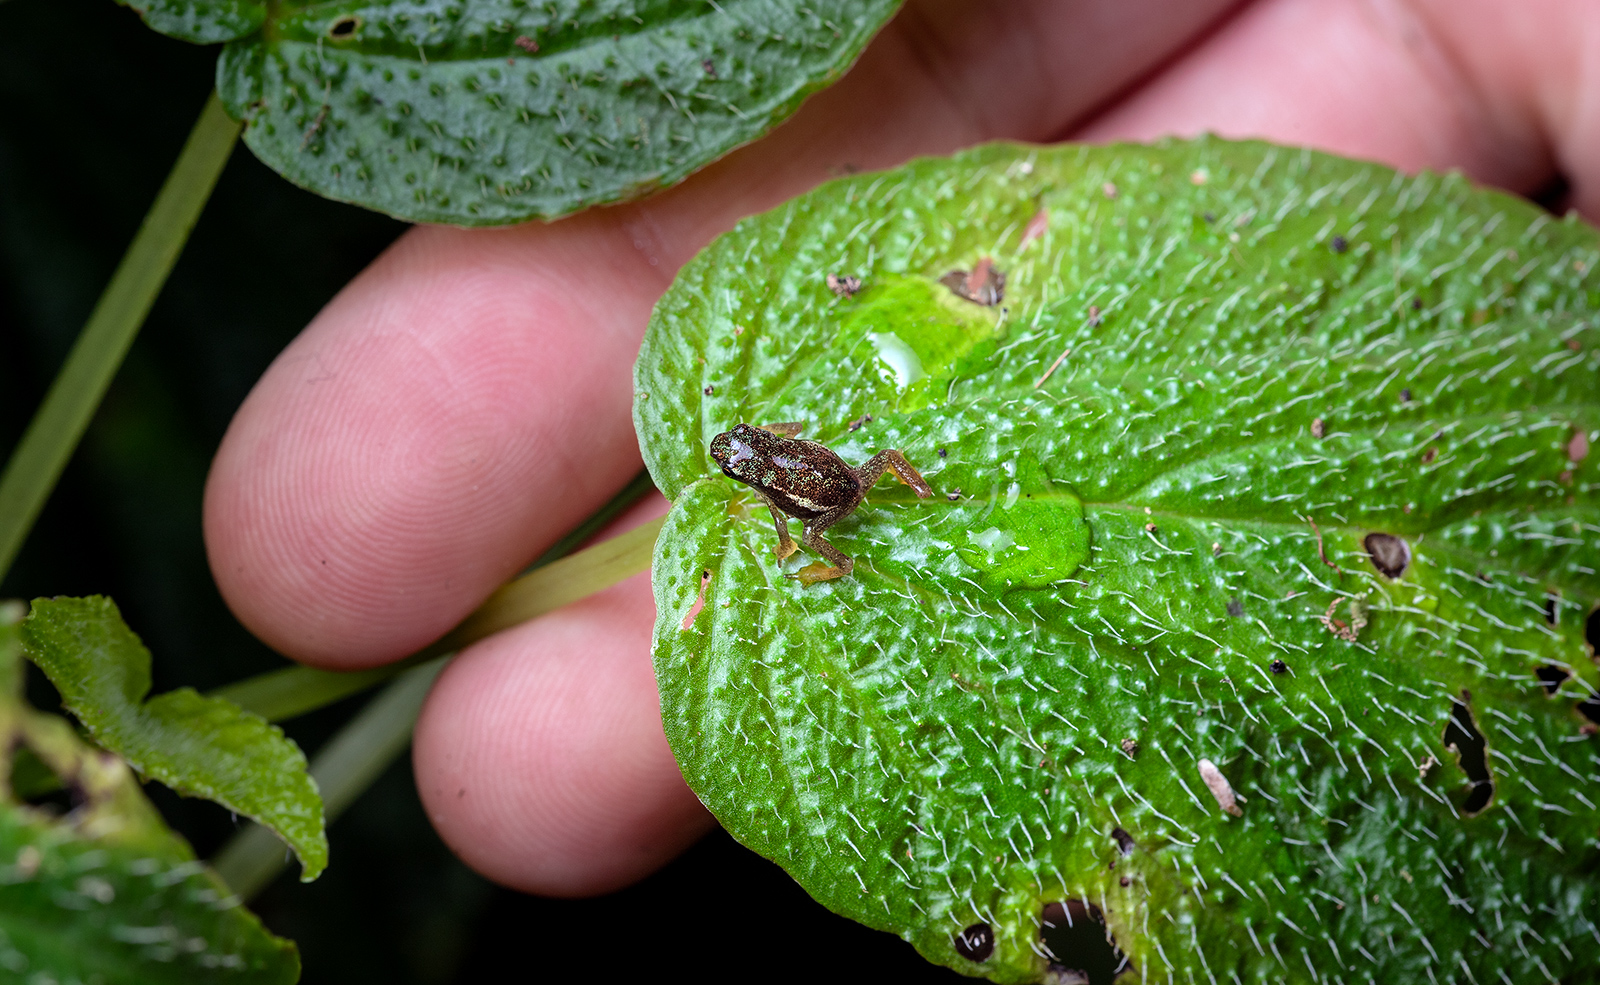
[93, 110]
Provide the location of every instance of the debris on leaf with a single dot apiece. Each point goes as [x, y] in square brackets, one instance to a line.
[1358, 619]
[844, 287]
[982, 285]
[1036, 227]
[1220, 788]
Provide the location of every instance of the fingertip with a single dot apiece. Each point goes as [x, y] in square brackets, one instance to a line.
[540, 756]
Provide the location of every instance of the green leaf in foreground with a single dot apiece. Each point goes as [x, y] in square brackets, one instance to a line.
[485, 112]
[197, 745]
[106, 893]
[1315, 702]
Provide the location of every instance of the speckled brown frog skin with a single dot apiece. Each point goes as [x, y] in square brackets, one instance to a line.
[807, 481]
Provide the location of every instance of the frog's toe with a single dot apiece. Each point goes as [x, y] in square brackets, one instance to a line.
[785, 549]
[817, 571]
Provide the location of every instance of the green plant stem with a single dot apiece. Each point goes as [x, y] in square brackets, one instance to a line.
[553, 581]
[344, 768]
[42, 454]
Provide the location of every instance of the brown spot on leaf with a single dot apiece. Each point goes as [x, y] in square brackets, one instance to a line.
[1391, 555]
[1429, 455]
[1578, 447]
[526, 44]
[1318, 429]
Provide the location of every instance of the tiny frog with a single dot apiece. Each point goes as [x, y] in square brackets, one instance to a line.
[805, 480]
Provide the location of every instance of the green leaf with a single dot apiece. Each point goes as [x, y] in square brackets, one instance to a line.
[201, 21]
[486, 112]
[197, 745]
[1255, 374]
[106, 893]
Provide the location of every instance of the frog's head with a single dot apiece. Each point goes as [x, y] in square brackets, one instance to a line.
[738, 451]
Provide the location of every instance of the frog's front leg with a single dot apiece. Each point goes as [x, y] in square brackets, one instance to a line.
[889, 459]
[786, 545]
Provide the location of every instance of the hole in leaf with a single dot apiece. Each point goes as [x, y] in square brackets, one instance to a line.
[1079, 947]
[699, 602]
[344, 27]
[1551, 677]
[1591, 631]
[1550, 607]
[1461, 735]
[976, 943]
[1391, 555]
[1590, 708]
[32, 782]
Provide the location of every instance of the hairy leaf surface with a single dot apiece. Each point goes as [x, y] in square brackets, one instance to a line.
[485, 112]
[197, 745]
[1264, 488]
[107, 893]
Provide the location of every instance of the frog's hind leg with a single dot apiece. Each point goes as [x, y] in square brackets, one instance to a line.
[786, 545]
[817, 571]
[892, 460]
[786, 429]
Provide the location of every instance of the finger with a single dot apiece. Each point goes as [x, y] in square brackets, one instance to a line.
[1489, 88]
[466, 399]
[540, 757]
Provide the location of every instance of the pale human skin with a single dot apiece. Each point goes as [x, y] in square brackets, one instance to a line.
[465, 400]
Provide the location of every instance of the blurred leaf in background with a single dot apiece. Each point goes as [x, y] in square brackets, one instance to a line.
[198, 745]
[487, 112]
[106, 892]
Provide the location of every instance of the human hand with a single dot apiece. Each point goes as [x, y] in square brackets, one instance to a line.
[465, 401]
